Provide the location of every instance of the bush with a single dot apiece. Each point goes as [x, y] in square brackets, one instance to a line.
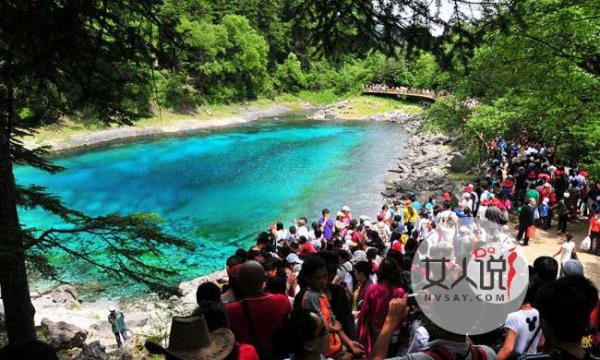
[175, 93]
[288, 76]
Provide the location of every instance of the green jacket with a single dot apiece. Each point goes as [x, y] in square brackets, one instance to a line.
[117, 321]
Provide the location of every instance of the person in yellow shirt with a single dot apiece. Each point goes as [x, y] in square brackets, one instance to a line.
[410, 216]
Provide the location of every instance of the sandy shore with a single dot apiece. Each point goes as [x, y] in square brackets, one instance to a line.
[84, 140]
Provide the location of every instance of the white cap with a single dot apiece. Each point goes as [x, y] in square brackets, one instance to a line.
[545, 201]
[112, 308]
[547, 185]
[293, 259]
[367, 223]
[567, 195]
[345, 208]
[359, 255]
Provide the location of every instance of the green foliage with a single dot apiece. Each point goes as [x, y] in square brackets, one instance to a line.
[176, 93]
[387, 70]
[226, 61]
[427, 73]
[289, 76]
[448, 114]
[538, 76]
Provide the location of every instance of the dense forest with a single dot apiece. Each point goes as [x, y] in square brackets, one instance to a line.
[534, 65]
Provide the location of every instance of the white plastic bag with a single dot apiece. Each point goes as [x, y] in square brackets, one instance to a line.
[585, 244]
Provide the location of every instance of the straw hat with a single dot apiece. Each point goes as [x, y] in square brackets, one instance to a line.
[189, 339]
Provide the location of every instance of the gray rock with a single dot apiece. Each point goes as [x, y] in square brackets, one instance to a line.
[93, 351]
[439, 140]
[458, 162]
[403, 168]
[405, 185]
[123, 355]
[390, 178]
[137, 319]
[388, 193]
[63, 294]
[62, 335]
[342, 104]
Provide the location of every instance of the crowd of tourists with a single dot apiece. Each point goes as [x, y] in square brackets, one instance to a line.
[337, 287]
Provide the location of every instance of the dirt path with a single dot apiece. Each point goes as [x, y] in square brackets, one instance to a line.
[548, 243]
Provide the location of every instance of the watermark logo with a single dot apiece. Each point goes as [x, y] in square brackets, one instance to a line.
[468, 275]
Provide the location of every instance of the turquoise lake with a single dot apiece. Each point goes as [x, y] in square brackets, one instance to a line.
[219, 188]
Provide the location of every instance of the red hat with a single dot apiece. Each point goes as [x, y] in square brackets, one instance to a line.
[495, 201]
[485, 201]
[397, 246]
[447, 196]
[380, 217]
[469, 188]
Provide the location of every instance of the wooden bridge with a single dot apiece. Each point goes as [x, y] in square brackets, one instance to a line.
[423, 94]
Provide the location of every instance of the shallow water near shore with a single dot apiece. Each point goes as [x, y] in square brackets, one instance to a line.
[219, 188]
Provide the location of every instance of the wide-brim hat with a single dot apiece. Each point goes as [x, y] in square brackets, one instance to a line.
[190, 339]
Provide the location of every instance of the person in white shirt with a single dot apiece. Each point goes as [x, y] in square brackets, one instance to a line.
[566, 251]
[523, 330]
[302, 229]
[281, 234]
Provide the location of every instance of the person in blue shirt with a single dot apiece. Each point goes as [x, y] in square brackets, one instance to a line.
[326, 224]
[415, 203]
[544, 210]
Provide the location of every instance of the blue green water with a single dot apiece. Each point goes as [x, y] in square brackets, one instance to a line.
[219, 188]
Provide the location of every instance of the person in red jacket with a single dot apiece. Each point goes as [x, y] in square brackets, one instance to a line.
[254, 319]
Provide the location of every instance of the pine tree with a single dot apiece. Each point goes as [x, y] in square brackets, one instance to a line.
[57, 59]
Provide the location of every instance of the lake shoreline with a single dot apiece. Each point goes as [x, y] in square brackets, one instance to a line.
[100, 138]
[65, 140]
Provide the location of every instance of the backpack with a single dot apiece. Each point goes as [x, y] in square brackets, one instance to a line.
[440, 353]
[347, 280]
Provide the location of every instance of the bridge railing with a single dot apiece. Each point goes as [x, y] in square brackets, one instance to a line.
[403, 90]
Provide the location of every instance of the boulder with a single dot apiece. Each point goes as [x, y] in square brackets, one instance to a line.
[63, 294]
[62, 335]
[342, 104]
[458, 162]
[390, 178]
[439, 140]
[137, 319]
[405, 185]
[388, 193]
[123, 355]
[93, 351]
[403, 168]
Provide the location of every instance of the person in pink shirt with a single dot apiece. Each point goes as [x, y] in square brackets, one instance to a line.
[375, 305]
[347, 215]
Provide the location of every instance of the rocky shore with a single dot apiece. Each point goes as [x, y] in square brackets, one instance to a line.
[425, 167]
[80, 329]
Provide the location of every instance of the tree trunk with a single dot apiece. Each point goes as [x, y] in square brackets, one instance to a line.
[18, 309]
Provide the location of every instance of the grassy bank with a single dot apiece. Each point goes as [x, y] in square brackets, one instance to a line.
[357, 107]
